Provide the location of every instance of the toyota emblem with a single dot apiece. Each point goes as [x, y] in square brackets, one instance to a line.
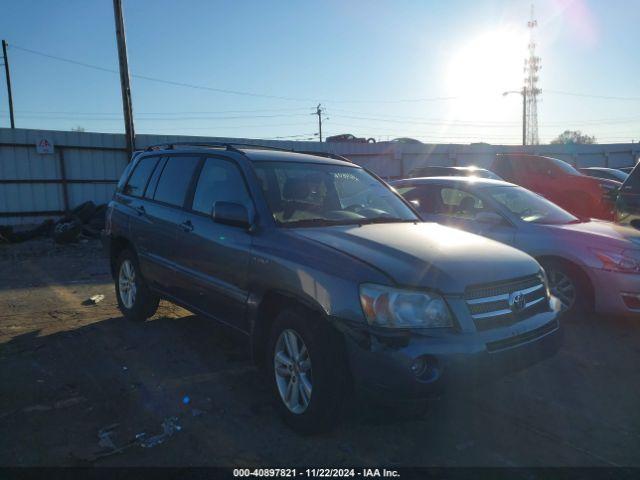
[517, 301]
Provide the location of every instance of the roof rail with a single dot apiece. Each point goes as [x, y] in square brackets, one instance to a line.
[226, 145]
[335, 156]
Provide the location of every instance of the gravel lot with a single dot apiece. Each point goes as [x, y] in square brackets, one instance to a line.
[81, 386]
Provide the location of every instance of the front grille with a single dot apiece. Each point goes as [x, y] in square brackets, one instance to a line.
[491, 305]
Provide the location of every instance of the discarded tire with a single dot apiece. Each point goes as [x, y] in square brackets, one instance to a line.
[84, 211]
[67, 231]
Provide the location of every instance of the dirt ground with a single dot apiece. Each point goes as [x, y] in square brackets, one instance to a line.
[82, 386]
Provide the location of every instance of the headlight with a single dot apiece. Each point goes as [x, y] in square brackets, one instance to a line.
[618, 261]
[395, 308]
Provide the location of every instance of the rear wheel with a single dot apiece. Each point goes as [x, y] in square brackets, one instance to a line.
[306, 371]
[135, 300]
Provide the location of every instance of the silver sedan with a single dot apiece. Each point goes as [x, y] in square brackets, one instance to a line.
[590, 264]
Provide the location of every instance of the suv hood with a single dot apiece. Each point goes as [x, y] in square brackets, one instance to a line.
[426, 255]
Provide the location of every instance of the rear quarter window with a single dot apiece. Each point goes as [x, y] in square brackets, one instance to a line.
[140, 176]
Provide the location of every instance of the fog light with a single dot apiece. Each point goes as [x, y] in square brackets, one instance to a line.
[631, 300]
[418, 366]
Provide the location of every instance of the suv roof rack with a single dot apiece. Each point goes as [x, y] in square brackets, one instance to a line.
[335, 156]
[226, 145]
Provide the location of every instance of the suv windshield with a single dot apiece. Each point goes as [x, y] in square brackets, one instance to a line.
[529, 206]
[303, 194]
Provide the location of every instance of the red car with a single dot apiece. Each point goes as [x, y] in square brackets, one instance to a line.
[585, 197]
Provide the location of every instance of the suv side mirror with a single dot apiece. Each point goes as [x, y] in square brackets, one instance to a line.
[229, 213]
[489, 218]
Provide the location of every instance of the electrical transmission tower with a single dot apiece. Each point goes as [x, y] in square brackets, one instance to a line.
[531, 90]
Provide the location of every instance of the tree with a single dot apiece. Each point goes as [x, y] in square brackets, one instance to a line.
[573, 137]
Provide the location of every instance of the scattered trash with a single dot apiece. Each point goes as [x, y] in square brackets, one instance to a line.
[186, 400]
[93, 300]
[169, 427]
[104, 436]
[68, 402]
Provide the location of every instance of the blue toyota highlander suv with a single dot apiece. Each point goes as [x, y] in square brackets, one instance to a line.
[329, 273]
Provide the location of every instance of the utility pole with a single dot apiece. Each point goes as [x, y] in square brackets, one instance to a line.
[319, 113]
[127, 105]
[6, 71]
[522, 92]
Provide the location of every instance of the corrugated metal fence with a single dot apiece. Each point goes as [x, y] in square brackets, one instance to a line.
[86, 166]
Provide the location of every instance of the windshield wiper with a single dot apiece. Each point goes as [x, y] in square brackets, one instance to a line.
[316, 222]
[366, 221]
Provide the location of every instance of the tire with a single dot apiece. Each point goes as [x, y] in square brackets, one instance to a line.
[84, 211]
[564, 277]
[136, 302]
[67, 230]
[323, 371]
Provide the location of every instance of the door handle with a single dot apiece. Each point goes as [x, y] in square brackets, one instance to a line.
[187, 226]
[141, 210]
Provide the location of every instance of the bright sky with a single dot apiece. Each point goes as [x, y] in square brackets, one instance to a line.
[381, 69]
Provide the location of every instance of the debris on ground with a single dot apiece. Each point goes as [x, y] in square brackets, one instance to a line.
[104, 436]
[169, 427]
[93, 300]
[86, 220]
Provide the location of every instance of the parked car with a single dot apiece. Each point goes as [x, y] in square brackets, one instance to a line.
[440, 171]
[627, 208]
[329, 273]
[602, 172]
[583, 196]
[589, 264]
[349, 138]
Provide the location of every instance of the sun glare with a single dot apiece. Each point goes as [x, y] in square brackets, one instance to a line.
[486, 66]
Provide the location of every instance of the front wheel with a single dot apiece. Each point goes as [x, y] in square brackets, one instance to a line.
[135, 300]
[306, 370]
[568, 285]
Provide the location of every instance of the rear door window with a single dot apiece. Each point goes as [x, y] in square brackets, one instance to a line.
[459, 203]
[140, 176]
[175, 179]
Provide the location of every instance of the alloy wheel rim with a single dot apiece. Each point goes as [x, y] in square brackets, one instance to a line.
[293, 374]
[127, 284]
[563, 288]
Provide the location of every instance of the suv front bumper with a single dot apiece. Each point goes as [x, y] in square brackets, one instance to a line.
[417, 364]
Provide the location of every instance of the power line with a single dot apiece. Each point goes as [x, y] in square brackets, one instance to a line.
[225, 91]
[602, 97]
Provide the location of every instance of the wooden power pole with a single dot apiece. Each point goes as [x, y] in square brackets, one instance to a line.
[127, 106]
[6, 71]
